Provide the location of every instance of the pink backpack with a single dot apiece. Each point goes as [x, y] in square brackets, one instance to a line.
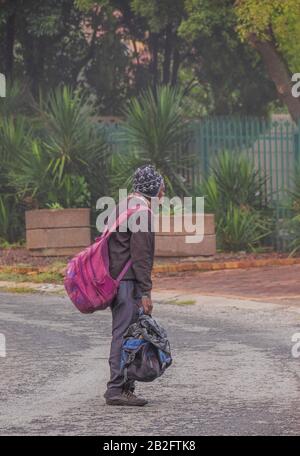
[88, 282]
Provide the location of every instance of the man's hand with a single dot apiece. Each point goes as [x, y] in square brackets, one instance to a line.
[147, 305]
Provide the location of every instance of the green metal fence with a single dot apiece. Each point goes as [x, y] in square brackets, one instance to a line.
[272, 145]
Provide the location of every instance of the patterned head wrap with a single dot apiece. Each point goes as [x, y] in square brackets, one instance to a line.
[147, 181]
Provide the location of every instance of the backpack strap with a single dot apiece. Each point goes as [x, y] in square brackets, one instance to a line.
[124, 270]
[122, 217]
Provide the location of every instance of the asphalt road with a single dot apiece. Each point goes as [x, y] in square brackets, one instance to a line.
[233, 372]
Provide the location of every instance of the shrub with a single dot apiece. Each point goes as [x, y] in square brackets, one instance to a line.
[292, 225]
[234, 193]
[56, 157]
[153, 129]
[242, 229]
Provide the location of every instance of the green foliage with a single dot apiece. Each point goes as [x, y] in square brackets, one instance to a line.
[122, 166]
[295, 193]
[118, 48]
[57, 157]
[242, 229]
[292, 225]
[272, 19]
[73, 191]
[233, 192]
[237, 180]
[16, 101]
[54, 206]
[159, 13]
[14, 138]
[231, 76]
[203, 15]
[154, 127]
[73, 141]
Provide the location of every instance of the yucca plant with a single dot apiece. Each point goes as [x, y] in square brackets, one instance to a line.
[294, 194]
[242, 229]
[292, 225]
[237, 180]
[4, 217]
[17, 100]
[153, 128]
[14, 138]
[293, 230]
[60, 159]
[30, 174]
[11, 218]
[75, 143]
[234, 193]
[122, 166]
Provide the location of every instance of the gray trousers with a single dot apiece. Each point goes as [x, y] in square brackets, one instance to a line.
[125, 311]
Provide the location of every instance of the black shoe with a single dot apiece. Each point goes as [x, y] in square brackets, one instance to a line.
[129, 387]
[127, 398]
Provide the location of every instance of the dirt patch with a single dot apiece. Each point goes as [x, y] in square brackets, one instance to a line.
[272, 282]
[11, 257]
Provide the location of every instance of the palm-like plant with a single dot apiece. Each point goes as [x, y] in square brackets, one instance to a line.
[237, 180]
[14, 138]
[17, 100]
[242, 229]
[153, 129]
[74, 142]
[60, 159]
[30, 175]
[233, 192]
[14, 135]
[292, 225]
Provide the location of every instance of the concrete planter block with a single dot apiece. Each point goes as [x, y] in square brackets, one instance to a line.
[176, 221]
[57, 232]
[173, 242]
[57, 218]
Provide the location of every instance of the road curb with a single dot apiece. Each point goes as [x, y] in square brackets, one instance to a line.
[177, 267]
[217, 266]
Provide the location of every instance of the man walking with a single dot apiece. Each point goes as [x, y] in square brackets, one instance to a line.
[135, 288]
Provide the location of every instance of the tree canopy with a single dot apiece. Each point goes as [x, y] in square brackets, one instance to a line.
[229, 56]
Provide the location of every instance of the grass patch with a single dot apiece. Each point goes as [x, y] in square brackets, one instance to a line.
[15, 245]
[25, 273]
[46, 277]
[42, 277]
[20, 290]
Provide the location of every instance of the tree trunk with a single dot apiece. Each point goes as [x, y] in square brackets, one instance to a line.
[176, 63]
[167, 55]
[153, 45]
[10, 40]
[278, 73]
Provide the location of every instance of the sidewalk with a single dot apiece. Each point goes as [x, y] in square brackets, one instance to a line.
[232, 374]
[270, 283]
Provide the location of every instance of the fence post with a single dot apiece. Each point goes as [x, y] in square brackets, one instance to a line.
[297, 143]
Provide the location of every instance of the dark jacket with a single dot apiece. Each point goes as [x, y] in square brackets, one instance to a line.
[139, 247]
